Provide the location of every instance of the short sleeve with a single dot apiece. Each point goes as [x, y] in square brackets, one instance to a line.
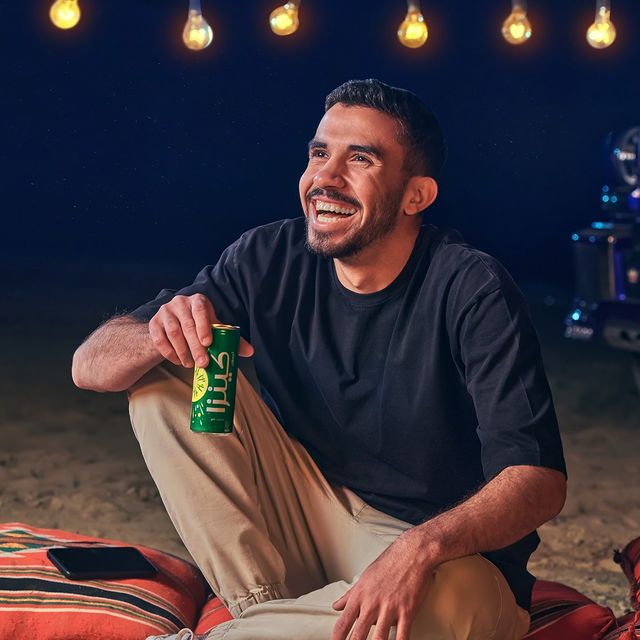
[222, 284]
[505, 377]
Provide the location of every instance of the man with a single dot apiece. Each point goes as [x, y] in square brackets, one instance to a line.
[388, 479]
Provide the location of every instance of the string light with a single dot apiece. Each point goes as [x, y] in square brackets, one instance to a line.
[197, 34]
[413, 32]
[284, 20]
[516, 29]
[65, 14]
[602, 33]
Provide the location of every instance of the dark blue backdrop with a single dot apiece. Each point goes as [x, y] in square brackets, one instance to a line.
[119, 142]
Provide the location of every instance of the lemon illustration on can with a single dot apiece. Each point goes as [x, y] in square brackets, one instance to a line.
[200, 384]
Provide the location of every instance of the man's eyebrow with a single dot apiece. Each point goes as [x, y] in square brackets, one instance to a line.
[367, 148]
[363, 148]
[316, 144]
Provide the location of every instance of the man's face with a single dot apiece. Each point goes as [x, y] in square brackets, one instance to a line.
[355, 166]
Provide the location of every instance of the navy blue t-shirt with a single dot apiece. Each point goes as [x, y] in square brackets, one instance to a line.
[413, 396]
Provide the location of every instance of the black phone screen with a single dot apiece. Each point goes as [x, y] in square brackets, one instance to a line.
[78, 563]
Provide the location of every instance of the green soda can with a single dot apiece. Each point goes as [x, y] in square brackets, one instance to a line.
[214, 387]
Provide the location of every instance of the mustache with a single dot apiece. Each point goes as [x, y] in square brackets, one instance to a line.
[332, 195]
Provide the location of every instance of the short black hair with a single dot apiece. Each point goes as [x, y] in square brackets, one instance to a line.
[420, 132]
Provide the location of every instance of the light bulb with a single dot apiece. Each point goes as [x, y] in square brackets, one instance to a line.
[601, 33]
[413, 32]
[65, 14]
[284, 20]
[516, 29]
[197, 33]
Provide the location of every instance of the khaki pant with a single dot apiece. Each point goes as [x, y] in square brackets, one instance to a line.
[275, 540]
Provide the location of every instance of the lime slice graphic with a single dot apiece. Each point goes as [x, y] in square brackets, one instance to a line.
[200, 383]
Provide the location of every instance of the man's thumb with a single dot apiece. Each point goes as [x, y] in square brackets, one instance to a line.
[245, 349]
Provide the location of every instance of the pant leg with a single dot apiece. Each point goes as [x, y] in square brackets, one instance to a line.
[262, 523]
[468, 599]
[252, 508]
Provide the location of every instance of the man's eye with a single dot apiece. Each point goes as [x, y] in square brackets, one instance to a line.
[360, 158]
[317, 153]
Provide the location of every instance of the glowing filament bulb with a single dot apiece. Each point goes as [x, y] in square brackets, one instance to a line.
[284, 20]
[602, 33]
[413, 32]
[65, 14]
[197, 33]
[516, 29]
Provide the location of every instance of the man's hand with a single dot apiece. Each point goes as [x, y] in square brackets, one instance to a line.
[181, 330]
[388, 593]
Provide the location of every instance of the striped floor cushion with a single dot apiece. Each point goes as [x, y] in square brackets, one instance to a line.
[558, 613]
[628, 628]
[561, 613]
[629, 560]
[37, 602]
[213, 613]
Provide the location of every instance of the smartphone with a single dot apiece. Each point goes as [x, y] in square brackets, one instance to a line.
[83, 563]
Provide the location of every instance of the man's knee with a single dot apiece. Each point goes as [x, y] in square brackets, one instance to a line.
[161, 397]
[469, 599]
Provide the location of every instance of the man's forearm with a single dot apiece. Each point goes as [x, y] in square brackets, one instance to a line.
[115, 356]
[514, 503]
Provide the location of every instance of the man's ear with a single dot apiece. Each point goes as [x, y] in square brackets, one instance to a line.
[420, 193]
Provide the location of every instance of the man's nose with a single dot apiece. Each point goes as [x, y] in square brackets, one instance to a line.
[329, 175]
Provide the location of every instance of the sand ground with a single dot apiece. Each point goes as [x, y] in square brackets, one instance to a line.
[69, 460]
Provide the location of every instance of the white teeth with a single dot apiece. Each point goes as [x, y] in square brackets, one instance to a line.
[322, 218]
[327, 206]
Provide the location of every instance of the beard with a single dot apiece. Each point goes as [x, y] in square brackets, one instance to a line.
[382, 221]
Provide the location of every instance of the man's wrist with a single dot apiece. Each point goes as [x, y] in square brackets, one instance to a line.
[430, 545]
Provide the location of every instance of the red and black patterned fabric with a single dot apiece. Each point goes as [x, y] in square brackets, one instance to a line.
[213, 613]
[558, 613]
[628, 628]
[629, 560]
[37, 601]
[561, 613]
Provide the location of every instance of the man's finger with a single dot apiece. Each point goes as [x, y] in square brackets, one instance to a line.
[245, 349]
[162, 344]
[383, 627]
[341, 602]
[173, 330]
[363, 625]
[345, 622]
[198, 352]
[204, 316]
[404, 628]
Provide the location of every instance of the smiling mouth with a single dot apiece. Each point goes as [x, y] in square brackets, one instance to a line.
[330, 211]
